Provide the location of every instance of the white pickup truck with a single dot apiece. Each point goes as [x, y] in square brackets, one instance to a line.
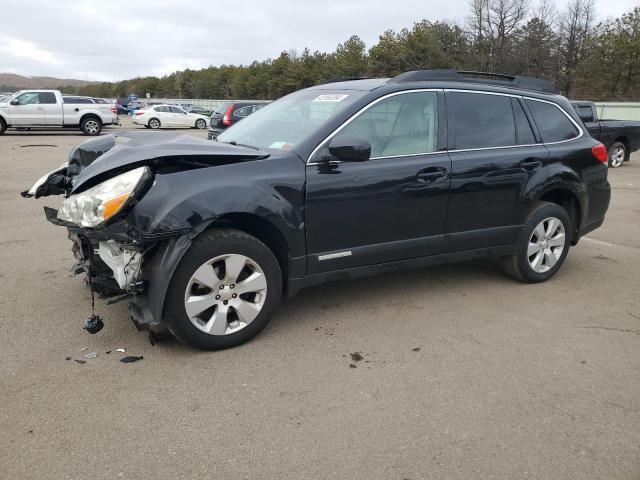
[49, 109]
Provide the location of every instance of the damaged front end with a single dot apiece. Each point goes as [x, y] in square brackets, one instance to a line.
[126, 240]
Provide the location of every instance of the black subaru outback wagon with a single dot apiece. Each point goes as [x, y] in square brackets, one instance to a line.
[336, 181]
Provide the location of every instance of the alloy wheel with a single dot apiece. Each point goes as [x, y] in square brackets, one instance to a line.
[617, 156]
[546, 244]
[91, 126]
[225, 294]
[153, 123]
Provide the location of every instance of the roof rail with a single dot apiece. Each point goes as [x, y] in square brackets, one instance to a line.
[343, 79]
[512, 81]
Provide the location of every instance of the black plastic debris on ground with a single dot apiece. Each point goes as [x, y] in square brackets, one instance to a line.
[131, 359]
[93, 324]
[81, 362]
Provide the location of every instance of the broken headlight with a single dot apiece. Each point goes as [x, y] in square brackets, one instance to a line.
[97, 204]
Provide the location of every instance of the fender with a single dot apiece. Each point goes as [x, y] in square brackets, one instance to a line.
[194, 200]
[272, 189]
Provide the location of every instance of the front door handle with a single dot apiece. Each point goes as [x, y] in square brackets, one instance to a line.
[530, 164]
[430, 176]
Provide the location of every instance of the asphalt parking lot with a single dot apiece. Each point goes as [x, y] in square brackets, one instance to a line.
[452, 372]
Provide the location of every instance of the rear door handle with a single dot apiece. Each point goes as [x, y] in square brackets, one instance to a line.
[530, 164]
[429, 176]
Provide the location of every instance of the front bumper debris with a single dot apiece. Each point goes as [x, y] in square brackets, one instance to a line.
[124, 261]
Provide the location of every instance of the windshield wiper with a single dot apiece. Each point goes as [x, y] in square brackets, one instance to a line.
[236, 144]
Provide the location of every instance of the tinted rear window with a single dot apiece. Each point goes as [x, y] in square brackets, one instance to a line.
[222, 108]
[586, 113]
[552, 123]
[47, 97]
[482, 121]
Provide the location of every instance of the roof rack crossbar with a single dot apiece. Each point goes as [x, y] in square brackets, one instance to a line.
[512, 81]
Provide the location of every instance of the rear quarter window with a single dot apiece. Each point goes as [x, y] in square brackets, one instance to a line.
[552, 123]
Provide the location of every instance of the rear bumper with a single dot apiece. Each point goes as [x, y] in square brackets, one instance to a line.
[214, 132]
[588, 228]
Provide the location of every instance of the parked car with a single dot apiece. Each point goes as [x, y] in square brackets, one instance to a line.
[229, 113]
[168, 116]
[190, 108]
[122, 109]
[621, 137]
[49, 109]
[133, 106]
[336, 181]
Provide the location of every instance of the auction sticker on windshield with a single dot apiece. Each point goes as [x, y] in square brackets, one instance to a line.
[330, 97]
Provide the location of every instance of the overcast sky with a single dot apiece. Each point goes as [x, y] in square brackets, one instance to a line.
[120, 39]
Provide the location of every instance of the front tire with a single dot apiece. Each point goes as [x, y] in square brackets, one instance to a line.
[541, 245]
[224, 290]
[617, 154]
[91, 126]
[154, 123]
[3, 126]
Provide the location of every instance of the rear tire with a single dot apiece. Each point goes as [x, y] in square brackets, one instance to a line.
[541, 245]
[617, 154]
[234, 311]
[91, 126]
[154, 123]
[3, 126]
[200, 124]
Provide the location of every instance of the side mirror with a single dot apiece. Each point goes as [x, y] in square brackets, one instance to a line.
[350, 149]
[14, 102]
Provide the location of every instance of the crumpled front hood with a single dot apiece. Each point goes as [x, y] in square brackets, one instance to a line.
[99, 158]
[133, 149]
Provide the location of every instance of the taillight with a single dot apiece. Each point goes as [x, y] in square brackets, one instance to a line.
[226, 120]
[139, 112]
[600, 152]
[114, 109]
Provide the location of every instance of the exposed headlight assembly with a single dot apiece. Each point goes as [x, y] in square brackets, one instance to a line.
[97, 204]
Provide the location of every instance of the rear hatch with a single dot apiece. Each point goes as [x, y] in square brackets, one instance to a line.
[218, 115]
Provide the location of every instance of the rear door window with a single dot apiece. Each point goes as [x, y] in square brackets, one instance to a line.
[47, 97]
[243, 112]
[552, 123]
[482, 120]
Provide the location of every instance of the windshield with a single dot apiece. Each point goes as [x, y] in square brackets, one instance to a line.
[286, 122]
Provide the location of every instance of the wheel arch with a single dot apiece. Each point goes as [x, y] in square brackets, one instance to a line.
[263, 230]
[90, 115]
[567, 199]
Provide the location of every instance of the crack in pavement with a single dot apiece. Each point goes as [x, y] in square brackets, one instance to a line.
[637, 332]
